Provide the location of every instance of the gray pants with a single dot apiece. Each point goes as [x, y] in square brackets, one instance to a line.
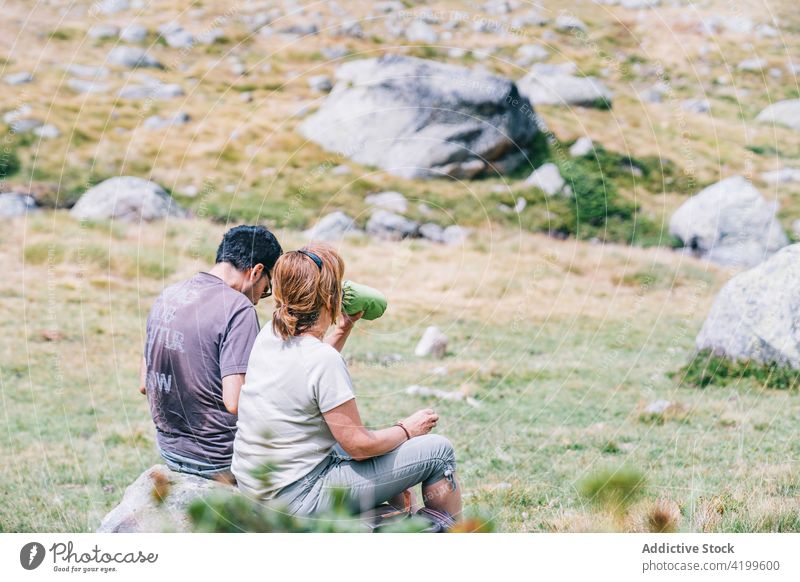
[424, 459]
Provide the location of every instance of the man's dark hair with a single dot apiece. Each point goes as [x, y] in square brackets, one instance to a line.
[246, 246]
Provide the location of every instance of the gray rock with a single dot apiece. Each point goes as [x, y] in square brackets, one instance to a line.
[112, 6]
[554, 85]
[547, 178]
[211, 36]
[126, 198]
[432, 232]
[658, 407]
[177, 37]
[639, 4]
[133, 33]
[696, 105]
[13, 204]
[159, 91]
[729, 223]
[47, 131]
[101, 31]
[82, 86]
[421, 119]
[582, 146]
[390, 226]
[25, 125]
[755, 315]
[333, 227]
[568, 23]
[18, 78]
[754, 65]
[341, 170]
[530, 53]
[320, 83]
[141, 512]
[131, 57]
[782, 176]
[785, 113]
[433, 343]
[392, 201]
[158, 122]
[455, 235]
[419, 31]
[86, 71]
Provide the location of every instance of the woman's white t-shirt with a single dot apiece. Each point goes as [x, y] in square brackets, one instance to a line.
[289, 384]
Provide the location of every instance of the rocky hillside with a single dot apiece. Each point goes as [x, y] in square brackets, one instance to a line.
[228, 107]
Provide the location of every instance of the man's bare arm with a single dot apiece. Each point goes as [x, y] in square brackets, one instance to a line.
[231, 388]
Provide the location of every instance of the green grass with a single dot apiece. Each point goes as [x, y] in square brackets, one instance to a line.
[706, 369]
[560, 391]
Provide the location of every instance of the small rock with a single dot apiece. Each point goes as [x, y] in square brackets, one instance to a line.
[13, 204]
[432, 232]
[754, 65]
[332, 227]
[86, 71]
[567, 23]
[547, 178]
[455, 235]
[18, 78]
[25, 125]
[433, 343]
[101, 31]
[390, 226]
[111, 6]
[419, 31]
[320, 83]
[132, 57]
[151, 91]
[90, 87]
[783, 176]
[786, 113]
[47, 131]
[158, 122]
[520, 205]
[696, 105]
[341, 170]
[581, 147]
[392, 201]
[133, 33]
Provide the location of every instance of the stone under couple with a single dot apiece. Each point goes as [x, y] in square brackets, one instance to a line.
[227, 398]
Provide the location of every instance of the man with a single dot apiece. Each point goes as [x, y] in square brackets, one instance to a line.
[199, 336]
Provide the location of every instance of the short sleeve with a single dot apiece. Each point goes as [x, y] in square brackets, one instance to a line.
[238, 342]
[334, 386]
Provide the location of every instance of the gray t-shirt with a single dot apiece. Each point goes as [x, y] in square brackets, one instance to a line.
[198, 332]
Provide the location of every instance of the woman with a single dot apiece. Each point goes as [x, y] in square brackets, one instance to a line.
[298, 412]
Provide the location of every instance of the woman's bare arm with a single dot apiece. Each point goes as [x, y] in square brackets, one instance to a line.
[359, 442]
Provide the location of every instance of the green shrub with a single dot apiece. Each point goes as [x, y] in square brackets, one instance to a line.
[614, 490]
[708, 369]
[9, 161]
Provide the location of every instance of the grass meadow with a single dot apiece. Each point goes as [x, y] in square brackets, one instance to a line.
[563, 344]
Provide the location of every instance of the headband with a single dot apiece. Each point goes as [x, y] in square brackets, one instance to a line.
[313, 257]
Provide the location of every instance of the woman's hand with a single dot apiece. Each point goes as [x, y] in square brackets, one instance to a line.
[421, 422]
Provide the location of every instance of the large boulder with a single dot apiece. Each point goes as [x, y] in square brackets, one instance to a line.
[126, 198]
[158, 501]
[755, 315]
[785, 113]
[557, 85]
[421, 119]
[729, 223]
